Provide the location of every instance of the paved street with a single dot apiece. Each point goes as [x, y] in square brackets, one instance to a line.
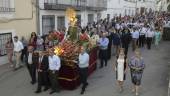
[102, 82]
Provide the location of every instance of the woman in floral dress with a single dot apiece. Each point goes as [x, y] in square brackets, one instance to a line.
[136, 68]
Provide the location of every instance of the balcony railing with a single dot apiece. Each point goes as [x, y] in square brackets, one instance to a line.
[77, 6]
[3, 9]
[49, 6]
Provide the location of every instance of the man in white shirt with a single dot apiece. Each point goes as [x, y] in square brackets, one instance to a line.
[117, 27]
[103, 45]
[54, 67]
[18, 46]
[135, 37]
[143, 31]
[83, 65]
[149, 37]
[31, 61]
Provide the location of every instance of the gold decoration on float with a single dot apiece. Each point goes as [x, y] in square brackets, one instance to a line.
[71, 15]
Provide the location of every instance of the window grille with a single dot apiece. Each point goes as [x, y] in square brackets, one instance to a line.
[4, 37]
[5, 6]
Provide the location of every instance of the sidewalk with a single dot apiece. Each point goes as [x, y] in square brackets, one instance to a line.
[169, 80]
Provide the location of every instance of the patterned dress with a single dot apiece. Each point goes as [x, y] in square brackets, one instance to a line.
[136, 67]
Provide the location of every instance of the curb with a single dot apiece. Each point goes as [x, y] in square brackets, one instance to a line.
[169, 84]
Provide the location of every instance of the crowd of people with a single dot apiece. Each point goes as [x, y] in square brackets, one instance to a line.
[140, 31]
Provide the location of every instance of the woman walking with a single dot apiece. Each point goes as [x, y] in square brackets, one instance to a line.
[120, 68]
[9, 48]
[136, 67]
[116, 42]
[157, 37]
[125, 39]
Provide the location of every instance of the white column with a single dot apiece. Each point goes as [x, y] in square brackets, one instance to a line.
[84, 18]
[56, 22]
[66, 22]
[40, 17]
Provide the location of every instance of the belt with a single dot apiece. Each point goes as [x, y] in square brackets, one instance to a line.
[142, 34]
[53, 71]
[17, 51]
[149, 37]
[103, 48]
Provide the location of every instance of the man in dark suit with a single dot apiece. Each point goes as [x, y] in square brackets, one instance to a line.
[125, 39]
[31, 62]
[42, 69]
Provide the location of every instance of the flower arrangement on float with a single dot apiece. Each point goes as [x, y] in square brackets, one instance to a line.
[68, 50]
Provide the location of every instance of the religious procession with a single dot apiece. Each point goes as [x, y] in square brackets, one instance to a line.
[64, 58]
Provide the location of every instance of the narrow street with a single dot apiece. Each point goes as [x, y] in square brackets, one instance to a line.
[102, 82]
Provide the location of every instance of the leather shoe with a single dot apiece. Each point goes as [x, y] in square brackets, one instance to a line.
[87, 84]
[15, 69]
[82, 92]
[52, 92]
[45, 89]
[33, 82]
[38, 91]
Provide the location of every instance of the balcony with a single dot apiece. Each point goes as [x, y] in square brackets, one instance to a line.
[4, 9]
[78, 5]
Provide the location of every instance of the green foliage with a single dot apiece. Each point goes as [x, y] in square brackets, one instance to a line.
[73, 33]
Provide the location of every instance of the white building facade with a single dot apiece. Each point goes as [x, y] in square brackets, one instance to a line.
[128, 7]
[52, 13]
[163, 5]
[17, 17]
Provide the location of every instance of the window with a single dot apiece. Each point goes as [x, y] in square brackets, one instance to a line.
[6, 6]
[90, 18]
[78, 20]
[125, 12]
[3, 39]
[60, 22]
[129, 12]
[108, 16]
[51, 1]
[48, 23]
[98, 16]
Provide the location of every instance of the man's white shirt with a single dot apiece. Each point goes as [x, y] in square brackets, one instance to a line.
[54, 62]
[18, 46]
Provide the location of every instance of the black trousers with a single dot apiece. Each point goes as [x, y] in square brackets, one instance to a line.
[103, 57]
[149, 42]
[134, 44]
[43, 80]
[32, 71]
[53, 76]
[141, 40]
[24, 53]
[126, 47]
[83, 77]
